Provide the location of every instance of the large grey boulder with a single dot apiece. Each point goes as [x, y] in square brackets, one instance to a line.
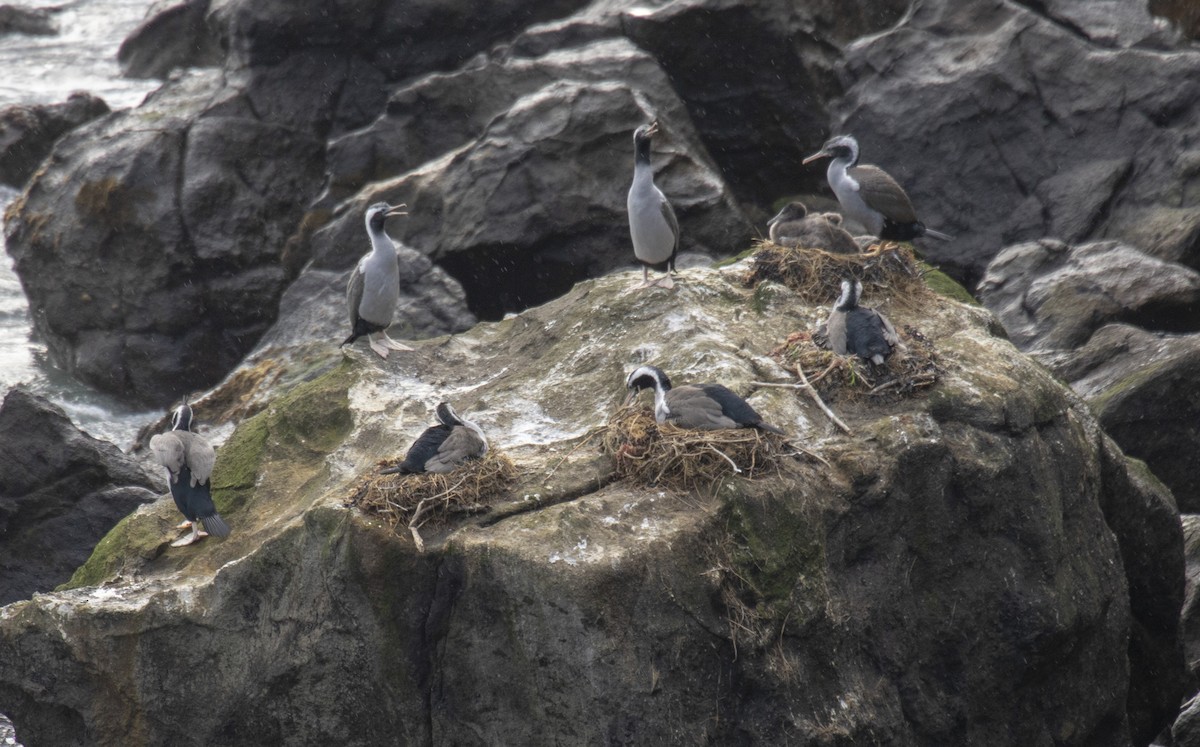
[28, 133]
[1140, 384]
[1052, 296]
[973, 562]
[760, 93]
[400, 38]
[60, 492]
[149, 246]
[1105, 317]
[174, 35]
[1008, 122]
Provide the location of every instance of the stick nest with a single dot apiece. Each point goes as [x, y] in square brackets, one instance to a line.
[912, 367]
[411, 501]
[816, 275]
[666, 455]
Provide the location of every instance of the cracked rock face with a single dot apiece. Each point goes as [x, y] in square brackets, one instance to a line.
[976, 560]
[1000, 120]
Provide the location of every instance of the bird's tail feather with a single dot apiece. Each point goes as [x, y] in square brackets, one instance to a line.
[215, 526]
[938, 235]
[353, 336]
[771, 428]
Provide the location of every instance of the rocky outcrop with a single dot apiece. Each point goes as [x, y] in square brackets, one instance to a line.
[974, 561]
[967, 83]
[186, 205]
[1052, 297]
[60, 492]
[1105, 316]
[27, 133]
[534, 201]
[1139, 384]
[175, 35]
[16, 19]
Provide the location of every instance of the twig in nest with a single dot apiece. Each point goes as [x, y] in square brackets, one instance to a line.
[820, 402]
[808, 387]
[725, 456]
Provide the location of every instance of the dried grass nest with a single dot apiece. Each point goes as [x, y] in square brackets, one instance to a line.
[415, 500]
[666, 455]
[908, 370]
[816, 275]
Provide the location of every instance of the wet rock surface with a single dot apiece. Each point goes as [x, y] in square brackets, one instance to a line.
[17, 19]
[976, 559]
[175, 35]
[60, 492]
[28, 133]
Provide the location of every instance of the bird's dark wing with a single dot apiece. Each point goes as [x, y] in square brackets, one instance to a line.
[882, 193]
[422, 450]
[354, 294]
[462, 444]
[865, 334]
[199, 455]
[704, 406]
[668, 213]
[732, 406]
[889, 332]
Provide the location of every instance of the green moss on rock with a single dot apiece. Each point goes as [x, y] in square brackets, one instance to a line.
[944, 285]
[137, 537]
[777, 556]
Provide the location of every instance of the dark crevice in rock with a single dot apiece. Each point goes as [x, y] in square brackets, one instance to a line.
[1103, 213]
[188, 246]
[503, 279]
[448, 583]
[566, 496]
[1164, 316]
[1039, 7]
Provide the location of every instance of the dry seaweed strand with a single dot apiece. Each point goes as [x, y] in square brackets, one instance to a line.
[417, 499]
[682, 458]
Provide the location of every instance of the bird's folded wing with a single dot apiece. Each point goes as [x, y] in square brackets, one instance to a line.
[882, 193]
[168, 451]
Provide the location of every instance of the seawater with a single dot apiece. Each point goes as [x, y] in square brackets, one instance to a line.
[46, 70]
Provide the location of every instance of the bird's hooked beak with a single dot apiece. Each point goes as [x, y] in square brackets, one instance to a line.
[652, 130]
[396, 210]
[815, 156]
[633, 393]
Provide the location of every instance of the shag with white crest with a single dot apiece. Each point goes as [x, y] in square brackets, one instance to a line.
[702, 406]
[374, 287]
[859, 330]
[652, 222]
[869, 195]
[189, 459]
[442, 448]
